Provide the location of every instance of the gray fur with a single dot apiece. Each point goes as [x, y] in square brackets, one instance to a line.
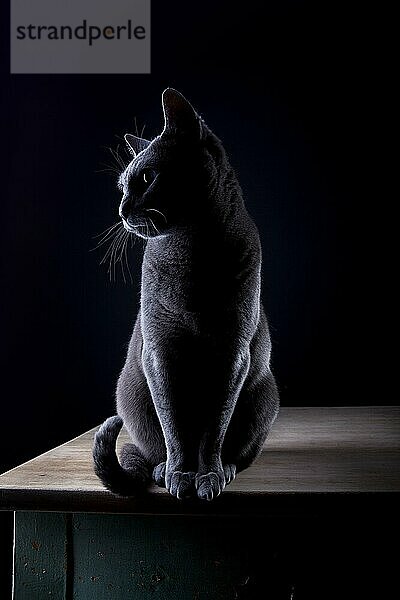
[196, 394]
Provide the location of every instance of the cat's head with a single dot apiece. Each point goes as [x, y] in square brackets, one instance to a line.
[165, 178]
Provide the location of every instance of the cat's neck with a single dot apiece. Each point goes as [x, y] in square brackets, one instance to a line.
[178, 244]
[224, 187]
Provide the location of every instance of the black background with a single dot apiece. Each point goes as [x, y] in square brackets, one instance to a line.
[297, 92]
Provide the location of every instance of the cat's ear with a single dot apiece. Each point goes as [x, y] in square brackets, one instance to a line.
[179, 114]
[135, 144]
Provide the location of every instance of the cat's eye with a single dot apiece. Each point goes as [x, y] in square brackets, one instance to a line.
[148, 176]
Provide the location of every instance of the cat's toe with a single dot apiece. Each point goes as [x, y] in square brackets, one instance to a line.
[181, 484]
[229, 472]
[208, 486]
[159, 474]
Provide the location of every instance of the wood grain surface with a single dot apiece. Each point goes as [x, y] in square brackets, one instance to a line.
[310, 451]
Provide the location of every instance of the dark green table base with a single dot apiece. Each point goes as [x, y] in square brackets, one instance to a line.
[89, 556]
[67, 556]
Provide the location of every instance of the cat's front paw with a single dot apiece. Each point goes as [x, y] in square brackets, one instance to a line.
[178, 483]
[230, 473]
[181, 484]
[209, 485]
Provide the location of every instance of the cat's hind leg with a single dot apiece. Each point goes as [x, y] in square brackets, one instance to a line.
[159, 474]
[254, 414]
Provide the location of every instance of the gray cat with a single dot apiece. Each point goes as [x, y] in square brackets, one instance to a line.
[196, 394]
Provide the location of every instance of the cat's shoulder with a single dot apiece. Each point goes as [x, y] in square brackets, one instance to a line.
[243, 236]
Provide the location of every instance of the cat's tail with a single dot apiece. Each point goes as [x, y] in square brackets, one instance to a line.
[125, 477]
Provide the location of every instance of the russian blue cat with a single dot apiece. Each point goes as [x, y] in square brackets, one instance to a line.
[196, 394]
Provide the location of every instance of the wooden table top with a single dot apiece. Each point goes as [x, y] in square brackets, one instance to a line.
[311, 452]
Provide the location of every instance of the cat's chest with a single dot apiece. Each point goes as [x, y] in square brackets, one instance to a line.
[190, 286]
[169, 301]
[201, 287]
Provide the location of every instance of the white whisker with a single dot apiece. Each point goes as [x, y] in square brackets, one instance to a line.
[159, 212]
[128, 236]
[108, 168]
[112, 251]
[121, 253]
[114, 238]
[117, 158]
[106, 238]
[115, 253]
[152, 222]
[108, 229]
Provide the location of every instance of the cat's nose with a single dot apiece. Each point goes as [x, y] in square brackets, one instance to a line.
[125, 208]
